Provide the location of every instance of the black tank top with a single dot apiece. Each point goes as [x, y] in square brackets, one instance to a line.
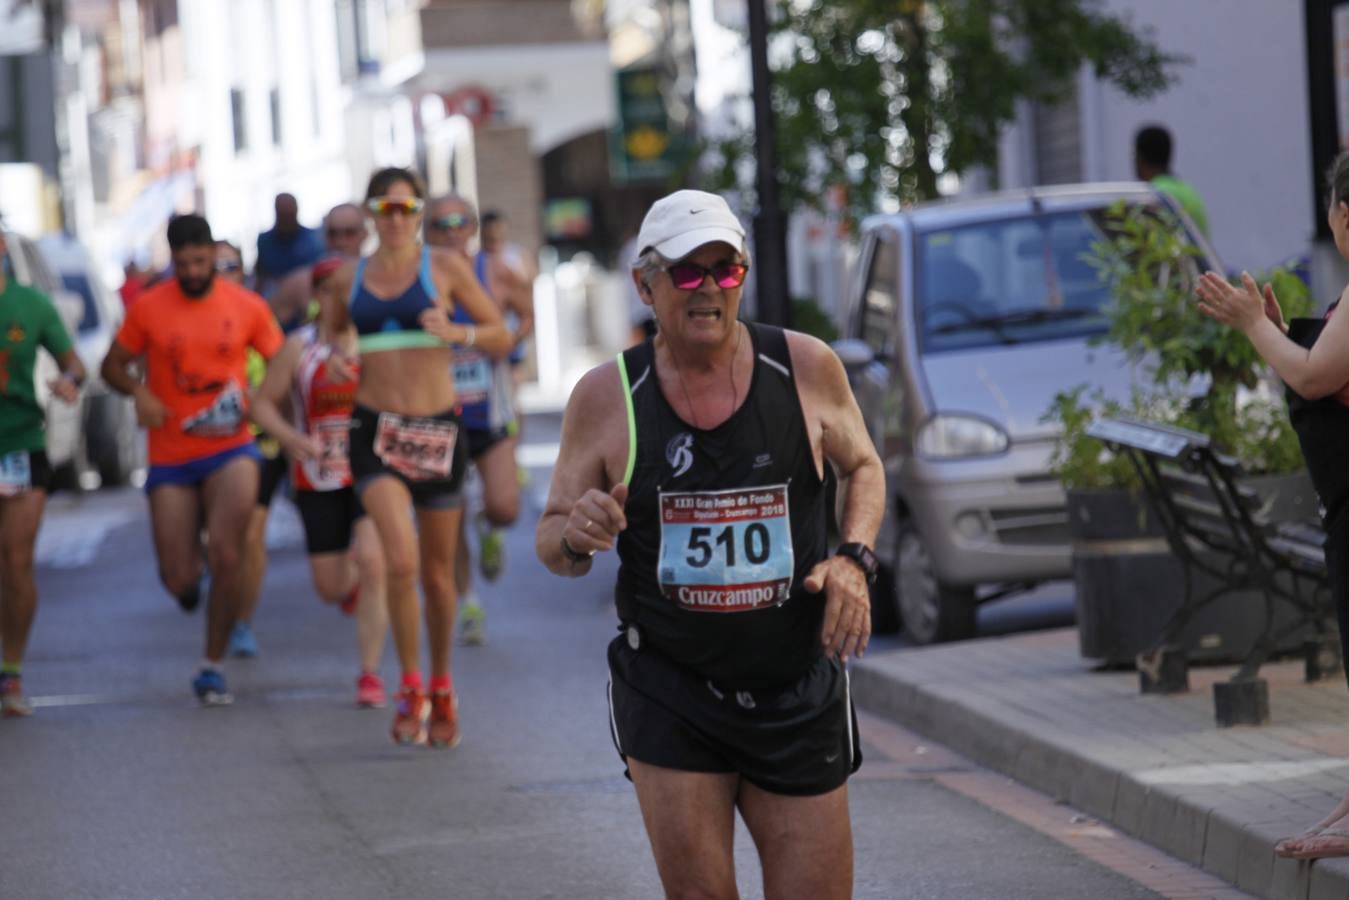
[723, 525]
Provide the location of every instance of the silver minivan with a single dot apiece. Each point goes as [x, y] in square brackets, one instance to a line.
[965, 318]
[112, 440]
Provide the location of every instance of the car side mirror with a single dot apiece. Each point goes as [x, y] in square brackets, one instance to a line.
[70, 306]
[854, 354]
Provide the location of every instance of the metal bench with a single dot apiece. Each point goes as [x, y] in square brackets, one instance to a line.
[1217, 525]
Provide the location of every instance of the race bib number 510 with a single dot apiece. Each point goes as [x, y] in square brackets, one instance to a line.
[726, 551]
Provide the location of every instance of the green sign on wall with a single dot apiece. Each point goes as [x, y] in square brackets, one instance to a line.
[643, 146]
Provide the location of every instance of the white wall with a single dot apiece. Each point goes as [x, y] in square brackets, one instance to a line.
[561, 91]
[1238, 114]
[232, 43]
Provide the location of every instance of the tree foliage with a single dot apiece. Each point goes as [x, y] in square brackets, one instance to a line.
[884, 96]
[1202, 375]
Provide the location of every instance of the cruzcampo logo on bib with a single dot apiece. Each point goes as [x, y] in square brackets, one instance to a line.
[726, 551]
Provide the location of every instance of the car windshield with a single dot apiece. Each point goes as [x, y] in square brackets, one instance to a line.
[75, 282]
[1010, 281]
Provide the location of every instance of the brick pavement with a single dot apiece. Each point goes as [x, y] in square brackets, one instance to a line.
[1155, 767]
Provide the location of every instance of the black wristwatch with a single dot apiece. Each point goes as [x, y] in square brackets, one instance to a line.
[863, 556]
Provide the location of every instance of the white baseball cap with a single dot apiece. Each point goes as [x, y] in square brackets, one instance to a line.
[681, 222]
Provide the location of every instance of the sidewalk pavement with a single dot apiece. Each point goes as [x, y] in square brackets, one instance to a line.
[1156, 767]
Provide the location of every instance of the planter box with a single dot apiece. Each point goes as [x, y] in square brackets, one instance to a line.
[1128, 585]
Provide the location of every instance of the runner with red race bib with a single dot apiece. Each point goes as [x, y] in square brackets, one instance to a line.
[406, 447]
[345, 558]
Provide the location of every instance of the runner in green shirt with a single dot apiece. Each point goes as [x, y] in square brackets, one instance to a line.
[1152, 162]
[28, 320]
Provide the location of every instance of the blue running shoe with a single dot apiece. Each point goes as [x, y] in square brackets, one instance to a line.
[242, 642]
[209, 686]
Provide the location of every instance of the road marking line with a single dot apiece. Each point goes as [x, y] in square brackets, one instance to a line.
[72, 541]
[73, 700]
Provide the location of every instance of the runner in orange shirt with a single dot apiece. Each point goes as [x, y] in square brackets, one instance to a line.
[192, 333]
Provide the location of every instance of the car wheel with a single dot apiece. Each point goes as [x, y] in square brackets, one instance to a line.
[931, 612]
[65, 477]
[112, 437]
[884, 603]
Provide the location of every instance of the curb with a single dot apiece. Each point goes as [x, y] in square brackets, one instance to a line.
[1182, 822]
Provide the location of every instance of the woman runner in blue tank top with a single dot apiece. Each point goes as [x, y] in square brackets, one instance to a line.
[483, 382]
[405, 445]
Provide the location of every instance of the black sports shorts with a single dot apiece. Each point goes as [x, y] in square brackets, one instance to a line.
[799, 740]
[480, 440]
[328, 517]
[270, 475]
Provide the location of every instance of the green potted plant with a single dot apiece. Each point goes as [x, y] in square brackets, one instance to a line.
[1201, 376]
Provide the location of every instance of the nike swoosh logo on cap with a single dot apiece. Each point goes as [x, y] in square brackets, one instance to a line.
[694, 212]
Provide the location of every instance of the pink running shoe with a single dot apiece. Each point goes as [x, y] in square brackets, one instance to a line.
[409, 717]
[443, 732]
[370, 691]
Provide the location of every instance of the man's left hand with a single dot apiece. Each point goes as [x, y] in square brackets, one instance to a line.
[847, 606]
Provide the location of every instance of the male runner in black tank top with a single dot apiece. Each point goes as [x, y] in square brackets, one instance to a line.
[700, 454]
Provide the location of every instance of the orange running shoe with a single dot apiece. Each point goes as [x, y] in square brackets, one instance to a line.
[409, 717]
[443, 731]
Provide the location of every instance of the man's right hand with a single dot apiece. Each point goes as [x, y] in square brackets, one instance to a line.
[150, 412]
[596, 519]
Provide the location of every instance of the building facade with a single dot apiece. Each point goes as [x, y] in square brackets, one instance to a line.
[137, 109]
[1239, 114]
[529, 76]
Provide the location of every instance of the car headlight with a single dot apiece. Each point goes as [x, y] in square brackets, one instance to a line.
[956, 436]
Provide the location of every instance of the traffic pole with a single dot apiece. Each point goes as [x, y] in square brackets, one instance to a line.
[770, 224]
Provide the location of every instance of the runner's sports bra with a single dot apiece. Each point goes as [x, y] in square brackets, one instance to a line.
[392, 324]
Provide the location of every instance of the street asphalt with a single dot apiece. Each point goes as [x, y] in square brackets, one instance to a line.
[120, 786]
